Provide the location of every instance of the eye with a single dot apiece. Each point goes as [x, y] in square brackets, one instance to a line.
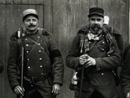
[34, 20]
[27, 20]
[93, 19]
[98, 19]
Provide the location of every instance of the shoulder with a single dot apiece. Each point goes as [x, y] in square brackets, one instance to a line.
[44, 32]
[107, 27]
[112, 30]
[83, 30]
[14, 36]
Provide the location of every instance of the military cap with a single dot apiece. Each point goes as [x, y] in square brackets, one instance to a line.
[28, 12]
[96, 11]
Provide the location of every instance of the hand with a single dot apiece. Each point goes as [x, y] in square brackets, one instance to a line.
[90, 61]
[56, 89]
[128, 95]
[18, 90]
[83, 59]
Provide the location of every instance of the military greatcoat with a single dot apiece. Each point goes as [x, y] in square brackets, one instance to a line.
[43, 64]
[125, 72]
[99, 77]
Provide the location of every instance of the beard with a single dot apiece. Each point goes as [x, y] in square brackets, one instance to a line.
[96, 28]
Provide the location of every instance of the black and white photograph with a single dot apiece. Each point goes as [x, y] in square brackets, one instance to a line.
[65, 49]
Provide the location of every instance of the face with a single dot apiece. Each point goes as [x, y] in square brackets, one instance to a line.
[31, 23]
[96, 22]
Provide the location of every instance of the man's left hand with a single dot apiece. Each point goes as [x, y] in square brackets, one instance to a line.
[56, 89]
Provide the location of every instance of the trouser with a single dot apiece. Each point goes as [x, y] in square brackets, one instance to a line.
[32, 94]
[41, 89]
[107, 91]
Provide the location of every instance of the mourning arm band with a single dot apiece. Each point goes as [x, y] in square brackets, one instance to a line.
[55, 53]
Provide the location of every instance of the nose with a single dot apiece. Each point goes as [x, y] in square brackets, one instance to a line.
[31, 21]
[96, 22]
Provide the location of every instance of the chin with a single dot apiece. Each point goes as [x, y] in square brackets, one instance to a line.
[31, 30]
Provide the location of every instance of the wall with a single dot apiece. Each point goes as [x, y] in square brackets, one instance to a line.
[63, 18]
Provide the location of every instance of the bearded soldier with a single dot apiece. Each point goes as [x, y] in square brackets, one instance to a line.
[95, 50]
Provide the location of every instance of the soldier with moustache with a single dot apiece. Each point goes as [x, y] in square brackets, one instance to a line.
[43, 64]
[95, 49]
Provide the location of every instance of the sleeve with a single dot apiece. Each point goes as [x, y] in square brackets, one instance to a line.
[57, 62]
[125, 72]
[110, 61]
[1, 66]
[72, 59]
[12, 69]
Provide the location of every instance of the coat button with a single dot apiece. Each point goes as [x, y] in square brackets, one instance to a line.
[40, 59]
[26, 39]
[40, 51]
[38, 37]
[39, 44]
[41, 66]
[29, 67]
[43, 74]
[28, 59]
[27, 44]
[102, 73]
[103, 42]
[27, 51]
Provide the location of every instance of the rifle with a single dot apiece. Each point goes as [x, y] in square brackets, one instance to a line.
[83, 51]
[22, 60]
[82, 69]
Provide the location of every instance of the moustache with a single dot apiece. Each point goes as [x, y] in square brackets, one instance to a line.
[31, 25]
[96, 26]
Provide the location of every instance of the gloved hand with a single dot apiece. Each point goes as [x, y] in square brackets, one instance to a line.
[56, 89]
[18, 90]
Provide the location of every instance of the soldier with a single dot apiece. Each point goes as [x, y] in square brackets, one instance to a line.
[125, 72]
[43, 64]
[95, 54]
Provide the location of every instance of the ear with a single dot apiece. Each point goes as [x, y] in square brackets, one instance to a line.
[38, 22]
